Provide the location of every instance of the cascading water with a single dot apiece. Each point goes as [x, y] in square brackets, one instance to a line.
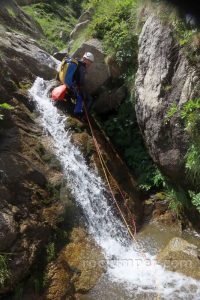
[127, 264]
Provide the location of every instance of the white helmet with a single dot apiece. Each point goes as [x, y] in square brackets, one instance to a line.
[89, 56]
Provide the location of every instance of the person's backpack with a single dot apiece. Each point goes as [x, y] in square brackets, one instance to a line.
[67, 70]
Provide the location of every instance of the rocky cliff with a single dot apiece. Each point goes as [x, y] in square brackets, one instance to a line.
[164, 78]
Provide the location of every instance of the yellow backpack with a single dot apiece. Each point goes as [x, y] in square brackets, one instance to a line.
[66, 62]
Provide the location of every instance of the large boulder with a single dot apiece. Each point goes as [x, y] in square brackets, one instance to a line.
[181, 256]
[76, 270]
[98, 73]
[164, 78]
[21, 60]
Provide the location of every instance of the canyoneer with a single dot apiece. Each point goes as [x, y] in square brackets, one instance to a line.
[72, 75]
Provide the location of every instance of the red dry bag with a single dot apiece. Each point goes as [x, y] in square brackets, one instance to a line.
[59, 92]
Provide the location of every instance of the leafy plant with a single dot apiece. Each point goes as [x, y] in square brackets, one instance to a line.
[171, 112]
[195, 199]
[178, 199]
[5, 106]
[191, 115]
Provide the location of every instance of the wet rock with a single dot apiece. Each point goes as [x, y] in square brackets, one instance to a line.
[84, 259]
[98, 73]
[181, 256]
[59, 277]
[77, 269]
[84, 142]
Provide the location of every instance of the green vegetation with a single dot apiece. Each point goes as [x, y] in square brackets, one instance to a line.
[51, 251]
[11, 12]
[56, 19]
[25, 85]
[195, 199]
[4, 106]
[114, 23]
[191, 115]
[179, 198]
[171, 112]
[188, 38]
[4, 270]
[123, 130]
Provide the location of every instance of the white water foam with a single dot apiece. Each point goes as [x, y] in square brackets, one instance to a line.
[125, 263]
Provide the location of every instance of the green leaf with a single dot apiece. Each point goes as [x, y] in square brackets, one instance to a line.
[6, 106]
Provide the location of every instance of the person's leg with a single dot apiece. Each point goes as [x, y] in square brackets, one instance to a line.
[78, 109]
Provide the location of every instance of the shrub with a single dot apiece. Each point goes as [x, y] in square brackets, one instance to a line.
[195, 199]
[191, 116]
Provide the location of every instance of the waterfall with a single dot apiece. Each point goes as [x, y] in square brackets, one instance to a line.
[126, 264]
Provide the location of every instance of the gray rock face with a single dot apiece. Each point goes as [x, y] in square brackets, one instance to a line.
[164, 77]
[98, 73]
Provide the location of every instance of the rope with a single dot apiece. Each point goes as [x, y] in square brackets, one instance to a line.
[105, 168]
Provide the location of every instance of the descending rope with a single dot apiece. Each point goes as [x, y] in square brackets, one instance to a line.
[106, 170]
